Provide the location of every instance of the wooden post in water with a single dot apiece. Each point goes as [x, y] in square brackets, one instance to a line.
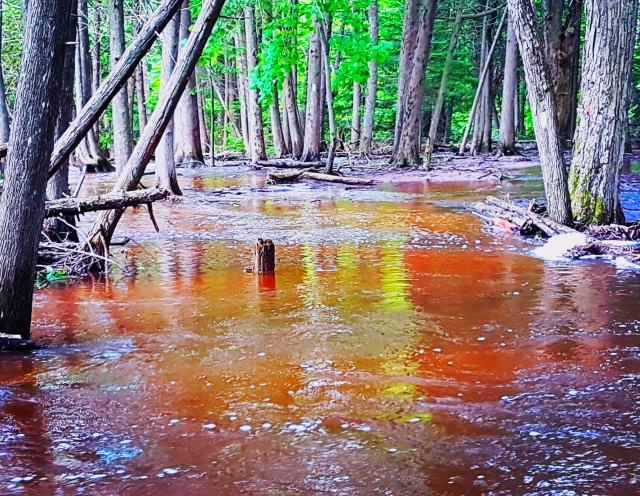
[265, 257]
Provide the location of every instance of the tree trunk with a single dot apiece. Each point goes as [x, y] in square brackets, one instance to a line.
[4, 108]
[165, 174]
[187, 129]
[104, 226]
[355, 116]
[258, 149]
[542, 102]
[23, 201]
[313, 113]
[366, 139]
[95, 60]
[444, 81]
[243, 92]
[324, 43]
[279, 143]
[407, 49]
[599, 144]
[224, 103]
[122, 134]
[58, 186]
[292, 115]
[100, 100]
[479, 90]
[507, 144]
[205, 142]
[408, 153]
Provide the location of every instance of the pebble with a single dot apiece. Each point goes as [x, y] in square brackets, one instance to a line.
[170, 471]
[209, 426]
[245, 428]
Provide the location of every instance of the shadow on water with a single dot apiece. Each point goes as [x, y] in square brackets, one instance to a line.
[400, 349]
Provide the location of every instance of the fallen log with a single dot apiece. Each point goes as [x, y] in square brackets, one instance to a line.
[109, 201]
[317, 176]
[284, 177]
[523, 219]
[287, 164]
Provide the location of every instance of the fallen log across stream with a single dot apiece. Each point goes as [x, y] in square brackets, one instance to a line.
[288, 177]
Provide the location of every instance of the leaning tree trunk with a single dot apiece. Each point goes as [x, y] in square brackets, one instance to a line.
[542, 102]
[105, 224]
[408, 152]
[187, 128]
[258, 149]
[313, 113]
[165, 175]
[599, 144]
[22, 203]
[63, 228]
[366, 138]
[507, 142]
[122, 134]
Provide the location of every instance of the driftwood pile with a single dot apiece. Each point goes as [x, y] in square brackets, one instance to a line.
[612, 240]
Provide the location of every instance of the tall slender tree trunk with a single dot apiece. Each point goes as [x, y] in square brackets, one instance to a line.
[408, 153]
[22, 203]
[444, 81]
[187, 129]
[205, 142]
[324, 44]
[599, 145]
[543, 105]
[507, 144]
[355, 116]
[96, 66]
[313, 113]
[292, 116]
[279, 143]
[122, 134]
[243, 92]
[62, 229]
[366, 139]
[258, 149]
[407, 49]
[165, 174]
[4, 108]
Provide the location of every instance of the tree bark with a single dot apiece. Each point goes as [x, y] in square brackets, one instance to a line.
[599, 144]
[543, 105]
[23, 201]
[96, 66]
[122, 134]
[58, 185]
[187, 128]
[292, 115]
[355, 116]
[366, 139]
[256, 128]
[109, 201]
[408, 152]
[407, 49]
[279, 142]
[324, 43]
[118, 76]
[313, 113]
[128, 180]
[444, 81]
[4, 108]
[507, 143]
[243, 92]
[165, 174]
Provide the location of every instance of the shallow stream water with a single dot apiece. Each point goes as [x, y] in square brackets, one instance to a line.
[401, 348]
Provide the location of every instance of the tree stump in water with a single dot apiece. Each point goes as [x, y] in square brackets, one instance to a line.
[265, 257]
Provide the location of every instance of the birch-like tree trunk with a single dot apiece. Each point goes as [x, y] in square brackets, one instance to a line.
[313, 113]
[256, 128]
[355, 116]
[599, 143]
[507, 142]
